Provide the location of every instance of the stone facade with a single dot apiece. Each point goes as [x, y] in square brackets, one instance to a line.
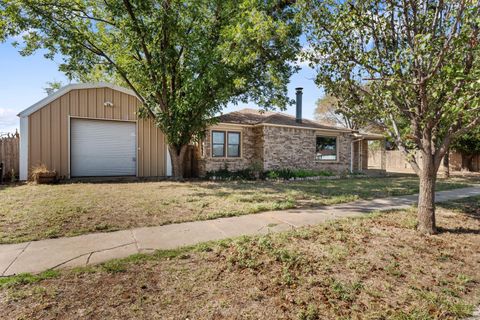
[276, 147]
[294, 148]
[249, 152]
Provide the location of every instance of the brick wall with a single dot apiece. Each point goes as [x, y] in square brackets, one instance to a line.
[251, 149]
[295, 148]
[276, 148]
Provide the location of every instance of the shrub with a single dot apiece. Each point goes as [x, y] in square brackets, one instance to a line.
[287, 174]
[225, 174]
[252, 174]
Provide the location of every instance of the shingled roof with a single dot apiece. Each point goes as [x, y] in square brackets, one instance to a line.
[249, 116]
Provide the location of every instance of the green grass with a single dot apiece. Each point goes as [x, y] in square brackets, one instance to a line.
[27, 278]
[33, 212]
[374, 267]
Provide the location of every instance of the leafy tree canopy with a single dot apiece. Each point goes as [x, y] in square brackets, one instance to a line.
[421, 61]
[468, 143]
[185, 59]
[345, 109]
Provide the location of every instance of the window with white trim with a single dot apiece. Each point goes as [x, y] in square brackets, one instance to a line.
[326, 148]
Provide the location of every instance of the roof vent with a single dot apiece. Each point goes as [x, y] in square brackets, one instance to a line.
[299, 92]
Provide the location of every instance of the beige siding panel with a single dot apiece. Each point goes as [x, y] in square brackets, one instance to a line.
[46, 133]
[108, 97]
[65, 110]
[82, 103]
[49, 129]
[73, 110]
[92, 103]
[55, 146]
[35, 143]
[117, 107]
[124, 106]
[132, 107]
[140, 164]
[151, 153]
[100, 95]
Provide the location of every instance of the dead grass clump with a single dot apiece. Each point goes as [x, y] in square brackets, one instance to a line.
[42, 175]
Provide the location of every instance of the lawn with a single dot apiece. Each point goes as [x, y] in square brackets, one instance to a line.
[377, 267]
[32, 212]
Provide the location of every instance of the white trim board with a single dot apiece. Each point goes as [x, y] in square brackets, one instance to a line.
[23, 168]
[42, 103]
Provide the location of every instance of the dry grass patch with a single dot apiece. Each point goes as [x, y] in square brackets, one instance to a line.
[365, 268]
[32, 212]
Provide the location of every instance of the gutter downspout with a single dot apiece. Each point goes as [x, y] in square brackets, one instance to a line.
[351, 153]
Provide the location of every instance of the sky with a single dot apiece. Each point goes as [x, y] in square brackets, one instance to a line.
[22, 80]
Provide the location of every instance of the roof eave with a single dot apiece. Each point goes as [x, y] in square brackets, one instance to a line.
[60, 92]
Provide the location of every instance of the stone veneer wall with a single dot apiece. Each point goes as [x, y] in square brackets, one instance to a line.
[277, 148]
[251, 150]
[295, 148]
[364, 155]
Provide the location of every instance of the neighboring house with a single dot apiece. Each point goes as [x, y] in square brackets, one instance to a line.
[93, 130]
[272, 140]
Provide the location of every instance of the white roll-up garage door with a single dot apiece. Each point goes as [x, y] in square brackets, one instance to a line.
[102, 148]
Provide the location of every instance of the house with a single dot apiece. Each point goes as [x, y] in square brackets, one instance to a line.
[274, 140]
[85, 130]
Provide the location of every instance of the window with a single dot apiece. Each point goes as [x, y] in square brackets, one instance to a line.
[233, 149]
[218, 144]
[225, 144]
[326, 149]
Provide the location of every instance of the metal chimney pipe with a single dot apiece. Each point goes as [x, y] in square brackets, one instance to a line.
[299, 92]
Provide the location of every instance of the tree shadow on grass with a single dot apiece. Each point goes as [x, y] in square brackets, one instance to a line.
[460, 230]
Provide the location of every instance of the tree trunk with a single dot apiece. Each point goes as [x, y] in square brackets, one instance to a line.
[467, 162]
[426, 198]
[446, 165]
[177, 154]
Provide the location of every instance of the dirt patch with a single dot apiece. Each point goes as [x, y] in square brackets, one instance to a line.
[364, 268]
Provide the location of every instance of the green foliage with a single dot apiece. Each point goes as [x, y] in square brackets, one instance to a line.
[344, 110]
[185, 60]
[287, 174]
[225, 174]
[253, 174]
[411, 66]
[311, 313]
[26, 278]
[468, 143]
[52, 86]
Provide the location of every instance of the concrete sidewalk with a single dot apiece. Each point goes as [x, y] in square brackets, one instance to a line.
[37, 256]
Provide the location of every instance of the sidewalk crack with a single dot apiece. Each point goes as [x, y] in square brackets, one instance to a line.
[15, 259]
[135, 240]
[90, 254]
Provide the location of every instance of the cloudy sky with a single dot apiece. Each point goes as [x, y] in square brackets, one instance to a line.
[22, 80]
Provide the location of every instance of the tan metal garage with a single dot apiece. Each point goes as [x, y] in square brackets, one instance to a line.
[91, 130]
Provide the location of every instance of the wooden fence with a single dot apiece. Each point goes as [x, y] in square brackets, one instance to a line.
[9, 154]
[396, 162]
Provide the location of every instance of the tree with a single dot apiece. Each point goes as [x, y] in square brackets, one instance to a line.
[344, 109]
[184, 59]
[52, 86]
[421, 60]
[468, 145]
[328, 110]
